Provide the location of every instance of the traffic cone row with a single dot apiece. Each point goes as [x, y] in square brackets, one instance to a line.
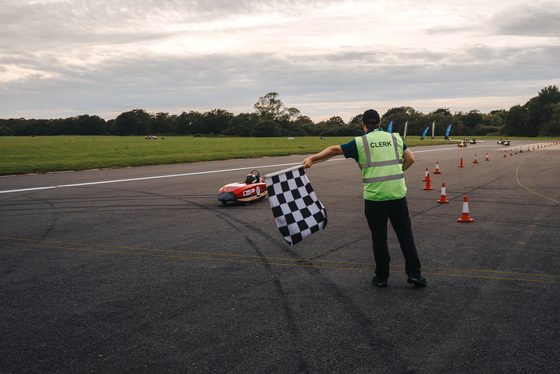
[511, 153]
[443, 196]
[465, 217]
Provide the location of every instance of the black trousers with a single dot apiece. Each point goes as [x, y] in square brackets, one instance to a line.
[377, 213]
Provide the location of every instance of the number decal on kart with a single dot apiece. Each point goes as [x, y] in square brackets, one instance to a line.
[249, 192]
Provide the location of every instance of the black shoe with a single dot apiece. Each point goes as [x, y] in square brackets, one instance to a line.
[418, 280]
[379, 282]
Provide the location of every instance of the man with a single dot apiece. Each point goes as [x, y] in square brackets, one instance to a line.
[383, 158]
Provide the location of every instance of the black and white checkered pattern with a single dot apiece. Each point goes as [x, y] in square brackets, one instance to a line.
[297, 211]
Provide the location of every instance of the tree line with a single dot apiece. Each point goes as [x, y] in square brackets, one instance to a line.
[540, 116]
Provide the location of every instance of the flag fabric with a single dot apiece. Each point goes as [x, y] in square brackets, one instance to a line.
[433, 129]
[390, 127]
[297, 211]
[448, 131]
[425, 132]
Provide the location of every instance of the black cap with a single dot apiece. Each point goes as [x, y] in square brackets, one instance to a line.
[371, 117]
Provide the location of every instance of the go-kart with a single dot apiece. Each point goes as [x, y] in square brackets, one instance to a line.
[254, 188]
[462, 144]
[473, 141]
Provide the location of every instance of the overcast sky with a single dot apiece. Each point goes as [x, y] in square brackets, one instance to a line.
[339, 57]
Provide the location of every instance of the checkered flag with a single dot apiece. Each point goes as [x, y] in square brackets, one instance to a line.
[297, 211]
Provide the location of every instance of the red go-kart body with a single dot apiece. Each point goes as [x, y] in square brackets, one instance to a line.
[254, 188]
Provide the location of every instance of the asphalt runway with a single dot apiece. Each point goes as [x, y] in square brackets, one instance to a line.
[154, 275]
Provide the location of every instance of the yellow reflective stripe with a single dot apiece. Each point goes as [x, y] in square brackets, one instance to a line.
[396, 145]
[380, 163]
[365, 144]
[370, 164]
[383, 179]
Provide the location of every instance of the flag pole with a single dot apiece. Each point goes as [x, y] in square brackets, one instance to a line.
[289, 169]
[283, 171]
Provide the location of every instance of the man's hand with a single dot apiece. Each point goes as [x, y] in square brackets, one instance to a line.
[307, 162]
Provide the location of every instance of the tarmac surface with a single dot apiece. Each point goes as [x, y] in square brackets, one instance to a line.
[152, 274]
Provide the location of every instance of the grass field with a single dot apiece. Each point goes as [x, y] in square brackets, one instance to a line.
[21, 155]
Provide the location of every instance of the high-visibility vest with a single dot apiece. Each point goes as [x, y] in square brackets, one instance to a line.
[380, 159]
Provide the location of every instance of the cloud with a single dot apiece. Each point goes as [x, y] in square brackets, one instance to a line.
[530, 20]
[66, 58]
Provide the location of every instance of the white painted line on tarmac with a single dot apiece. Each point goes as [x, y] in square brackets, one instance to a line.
[183, 175]
[433, 150]
[148, 178]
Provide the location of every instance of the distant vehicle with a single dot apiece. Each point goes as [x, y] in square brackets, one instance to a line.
[473, 141]
[254, 188]
[462, 144]
[150, 137]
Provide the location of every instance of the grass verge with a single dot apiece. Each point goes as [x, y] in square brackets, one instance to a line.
[21, 155]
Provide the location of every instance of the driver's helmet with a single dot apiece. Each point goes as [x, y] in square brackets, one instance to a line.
[250, 178]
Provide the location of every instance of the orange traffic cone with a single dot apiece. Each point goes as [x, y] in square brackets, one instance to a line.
[487, 159]
[533, 147]
[505, 154]
[428, 184]
[465, 217]
[515, 150]
[461, 165]
[528, 150]
[437, 169]
[443, 197]
[425, 176]
[475, 160]
[511, 152]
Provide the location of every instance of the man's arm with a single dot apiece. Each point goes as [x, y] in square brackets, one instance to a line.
[408, 158]
[335, 150]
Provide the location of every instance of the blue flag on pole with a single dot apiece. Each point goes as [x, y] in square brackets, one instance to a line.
[390, 127]
[448, 131]
[425, 132]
